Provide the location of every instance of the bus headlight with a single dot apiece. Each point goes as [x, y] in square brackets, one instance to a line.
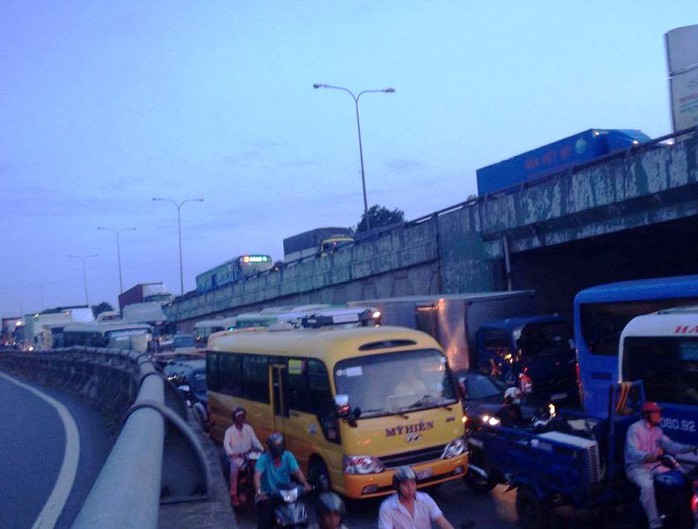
[454, 448]
[362, 465]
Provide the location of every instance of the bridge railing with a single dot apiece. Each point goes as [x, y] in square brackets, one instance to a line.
[156, 458]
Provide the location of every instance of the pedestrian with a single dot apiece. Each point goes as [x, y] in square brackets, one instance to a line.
[408, 508]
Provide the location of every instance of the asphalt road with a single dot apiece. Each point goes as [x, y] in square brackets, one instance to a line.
[32, 452]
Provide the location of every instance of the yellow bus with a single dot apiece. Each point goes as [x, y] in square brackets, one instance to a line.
[353, 403]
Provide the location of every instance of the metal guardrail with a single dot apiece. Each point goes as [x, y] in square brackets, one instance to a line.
[157, 458]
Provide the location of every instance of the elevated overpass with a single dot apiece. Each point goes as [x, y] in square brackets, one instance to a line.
[632, 214]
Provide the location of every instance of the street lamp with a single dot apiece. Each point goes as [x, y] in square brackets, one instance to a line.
[358, 127]
[118, 251]
[41, 293]
[84, 272]
[179, 230]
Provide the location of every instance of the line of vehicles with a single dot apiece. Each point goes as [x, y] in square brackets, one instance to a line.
[356, 402]
[361, 389]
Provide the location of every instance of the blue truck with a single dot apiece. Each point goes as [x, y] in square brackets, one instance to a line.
[555, 157]
[569, 459]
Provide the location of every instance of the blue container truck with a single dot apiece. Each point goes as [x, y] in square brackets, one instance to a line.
[555, 157]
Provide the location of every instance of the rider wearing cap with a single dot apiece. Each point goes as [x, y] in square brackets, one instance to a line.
[645, 444]
[239, 439]
[408, 508]
[274, 468]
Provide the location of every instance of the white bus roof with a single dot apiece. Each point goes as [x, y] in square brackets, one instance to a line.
[681, 321]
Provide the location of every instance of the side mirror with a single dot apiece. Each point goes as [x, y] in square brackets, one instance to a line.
[462, 384]
[345, 411]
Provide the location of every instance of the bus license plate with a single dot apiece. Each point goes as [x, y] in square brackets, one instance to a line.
[423, 474]
[558, 396]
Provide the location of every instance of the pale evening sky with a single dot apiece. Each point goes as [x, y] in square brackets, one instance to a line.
[105, 105]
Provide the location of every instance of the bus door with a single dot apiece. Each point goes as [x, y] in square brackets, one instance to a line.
[278, 402]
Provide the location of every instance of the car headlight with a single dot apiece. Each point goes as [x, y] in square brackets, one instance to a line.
[362, 465]
[490, 420]
[454, 448]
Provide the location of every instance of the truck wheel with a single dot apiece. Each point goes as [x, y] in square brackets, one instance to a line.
[531, 510]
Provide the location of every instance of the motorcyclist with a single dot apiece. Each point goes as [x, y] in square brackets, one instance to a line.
[329, 512]
[408, 508]
[274, 468]
[510, 412]
[645, 444]
[238, 441]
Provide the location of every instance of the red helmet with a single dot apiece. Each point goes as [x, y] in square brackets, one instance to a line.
[648, 407]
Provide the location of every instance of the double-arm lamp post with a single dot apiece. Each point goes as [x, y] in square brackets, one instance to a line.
[118, 251]
[358, 127]
[84, 272]
[179, 205]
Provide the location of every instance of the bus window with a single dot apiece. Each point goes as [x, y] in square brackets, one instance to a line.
[667, 365]
[256, 376]
[230, 375]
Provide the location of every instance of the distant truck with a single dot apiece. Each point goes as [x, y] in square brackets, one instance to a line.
[315, 242]
[496, 333]
[144, 292]
[44, 330]
[555, 157]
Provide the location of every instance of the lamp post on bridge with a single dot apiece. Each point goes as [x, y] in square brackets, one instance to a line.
[83, 258]
[179, 205]
[358, 127]
[118, 251]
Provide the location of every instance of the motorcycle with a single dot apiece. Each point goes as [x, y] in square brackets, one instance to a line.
[246, 489]
[289, 511]
[674, 491]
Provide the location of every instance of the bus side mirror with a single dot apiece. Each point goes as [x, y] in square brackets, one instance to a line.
[345, 411]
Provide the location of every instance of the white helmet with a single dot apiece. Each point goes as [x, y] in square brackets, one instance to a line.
[513, 394]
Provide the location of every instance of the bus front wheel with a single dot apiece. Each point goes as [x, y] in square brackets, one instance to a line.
[318, 475]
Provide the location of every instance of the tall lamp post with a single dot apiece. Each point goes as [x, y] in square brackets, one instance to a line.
[358, 127]
[84, 272]
[179, 205]
[41, 293]
[118, 251]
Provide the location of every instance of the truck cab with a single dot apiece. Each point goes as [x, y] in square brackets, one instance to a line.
[536, 353]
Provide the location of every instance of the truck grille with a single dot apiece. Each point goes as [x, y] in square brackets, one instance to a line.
[592, 464]
[584, 451]
[414, 457]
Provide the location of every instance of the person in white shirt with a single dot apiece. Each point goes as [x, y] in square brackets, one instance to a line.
[239, 439]
[409, 509]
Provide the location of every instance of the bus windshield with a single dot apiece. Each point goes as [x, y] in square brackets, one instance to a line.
[668, 366]
[385, 384]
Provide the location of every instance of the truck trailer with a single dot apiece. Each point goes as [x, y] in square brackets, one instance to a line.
[452, 319]
[315, 242]
[555, 157]
[145, 292]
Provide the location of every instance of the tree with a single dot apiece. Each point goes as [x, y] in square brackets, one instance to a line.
[102, 307]
[380, 216]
